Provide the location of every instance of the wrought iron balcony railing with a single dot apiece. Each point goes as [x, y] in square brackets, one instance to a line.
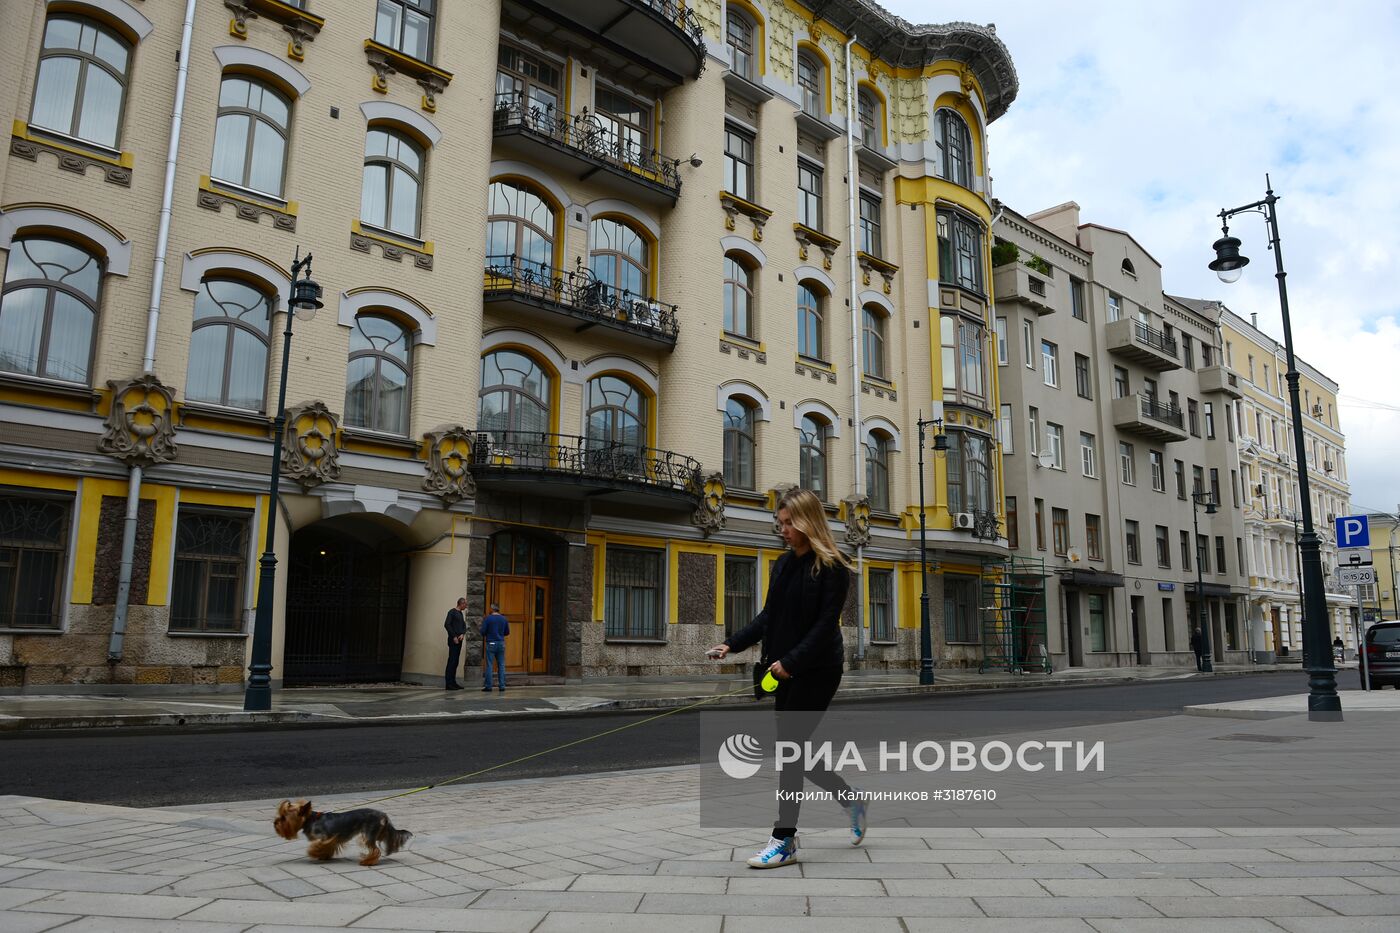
[682, 17]
[610, 462]
[1154, 338]
[1158, 410]
[583, 295]
[586, 135]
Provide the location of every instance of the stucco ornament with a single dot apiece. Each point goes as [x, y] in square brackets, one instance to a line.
[709, 510]
[310, 454]
[449, 458]
[139, 428]
[857, 521]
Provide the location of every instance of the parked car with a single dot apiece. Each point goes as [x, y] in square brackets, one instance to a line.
[1383, 654]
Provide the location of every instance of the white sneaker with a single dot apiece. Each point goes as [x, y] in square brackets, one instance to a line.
[777, 853]
[858, 813]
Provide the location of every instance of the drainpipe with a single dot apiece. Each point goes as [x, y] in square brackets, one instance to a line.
[857, 364]
[148, 358]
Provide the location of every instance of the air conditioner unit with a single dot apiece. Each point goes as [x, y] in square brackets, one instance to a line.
[964, 520]
[1259, 490]
[1317, 411]
[1328, 465]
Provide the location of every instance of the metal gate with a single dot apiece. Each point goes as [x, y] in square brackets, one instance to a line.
[347, 606]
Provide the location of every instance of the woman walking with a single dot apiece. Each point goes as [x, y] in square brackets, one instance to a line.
[800, 628]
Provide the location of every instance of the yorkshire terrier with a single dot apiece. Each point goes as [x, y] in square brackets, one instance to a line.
[329, 831]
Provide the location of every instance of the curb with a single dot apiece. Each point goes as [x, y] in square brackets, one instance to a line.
[234, 720]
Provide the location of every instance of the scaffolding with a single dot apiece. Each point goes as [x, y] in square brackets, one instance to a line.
[1013, 616]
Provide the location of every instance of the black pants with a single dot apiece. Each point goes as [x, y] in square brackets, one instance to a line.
[454, 654]
[809, 693]
[1200, 661]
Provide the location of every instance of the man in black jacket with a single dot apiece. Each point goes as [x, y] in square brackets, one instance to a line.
[456, 625]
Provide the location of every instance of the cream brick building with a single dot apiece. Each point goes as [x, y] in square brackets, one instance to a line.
[683, 309]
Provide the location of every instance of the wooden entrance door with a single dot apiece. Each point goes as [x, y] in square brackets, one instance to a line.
[520, 584]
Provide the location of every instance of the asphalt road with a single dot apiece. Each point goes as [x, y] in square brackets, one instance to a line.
[172, 769]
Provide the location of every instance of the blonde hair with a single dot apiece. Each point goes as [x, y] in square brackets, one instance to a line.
[809, 517]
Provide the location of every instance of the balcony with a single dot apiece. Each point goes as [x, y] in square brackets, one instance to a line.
[1220, 379]
[1146, 416]
[565, 466]
[583, 145]
[1014, 281]
[545, 293]
[652, 39]
[1136, 341]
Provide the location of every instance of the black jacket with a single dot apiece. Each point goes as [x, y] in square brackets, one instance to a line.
[455, 623]
[809, 637]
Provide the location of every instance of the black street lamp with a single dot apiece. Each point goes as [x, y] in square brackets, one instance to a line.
[1323, 702]
[303, 301]
[940, 445]
[1199, 499]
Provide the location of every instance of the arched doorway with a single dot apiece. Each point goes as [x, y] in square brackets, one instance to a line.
[519, 572]
[347, 603]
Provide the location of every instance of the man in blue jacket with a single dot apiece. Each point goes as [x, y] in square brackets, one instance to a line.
[494, 629]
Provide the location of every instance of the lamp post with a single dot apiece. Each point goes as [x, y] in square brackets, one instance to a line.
[940, 445]
[1323, 702]
[303, 300]
[1199, 499]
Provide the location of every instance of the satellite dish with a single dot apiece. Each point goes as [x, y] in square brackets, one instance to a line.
[1074, 556]
[1044, 459]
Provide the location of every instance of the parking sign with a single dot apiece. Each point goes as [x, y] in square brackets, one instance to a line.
[1353, 531]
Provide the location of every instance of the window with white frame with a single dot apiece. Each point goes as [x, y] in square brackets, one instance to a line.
[393, 180]
[1001, 341]
[406, 25]
[377, 390]
[1055, 440]
[1088, 455]
[228, 345]
[1006, 433]
[1050, 363]
[739, 35]
[738, 162]
[1125, 464]
[738, 296]
[1028, 343]
[1115, 307]
[810, 80]
[1159, 473]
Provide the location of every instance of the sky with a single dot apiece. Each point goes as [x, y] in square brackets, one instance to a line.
[1155, 116]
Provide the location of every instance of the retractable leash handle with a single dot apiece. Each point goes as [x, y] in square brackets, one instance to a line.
[769, 683]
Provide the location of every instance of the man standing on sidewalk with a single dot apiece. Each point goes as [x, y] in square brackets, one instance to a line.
[494, 629]
[1197, 644]
[456, 625]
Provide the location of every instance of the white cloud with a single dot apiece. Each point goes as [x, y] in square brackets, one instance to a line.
[1153, 117]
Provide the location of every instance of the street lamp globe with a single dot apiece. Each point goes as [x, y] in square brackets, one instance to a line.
[1229, 264]
[306, 297]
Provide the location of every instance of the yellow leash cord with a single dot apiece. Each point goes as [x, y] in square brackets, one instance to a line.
[547, 751]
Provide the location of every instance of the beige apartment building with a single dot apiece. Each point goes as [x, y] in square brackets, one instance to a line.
[1267, 464]
[585, 314]
[1379, 601]
[1116, 431]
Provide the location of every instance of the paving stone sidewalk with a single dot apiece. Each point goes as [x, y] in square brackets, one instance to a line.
[625, 851]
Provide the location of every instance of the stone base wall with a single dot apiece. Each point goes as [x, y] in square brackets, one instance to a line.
[150, 656]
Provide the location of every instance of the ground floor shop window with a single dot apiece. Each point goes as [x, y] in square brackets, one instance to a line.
[882, 605]
[740, 592]
[960, 608]
[633, 591]
[33, 548]
[211, 555]
[1098, 623]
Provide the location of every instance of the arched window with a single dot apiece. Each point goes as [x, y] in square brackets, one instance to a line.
[739, 444]
[515, 394]
[48, 309]
[877, 470]
[810, 79]
[868, 115]
[519, 227]
[250, 137]
[812, 433]
[377, 380]
[873, 343]
[809, 322]
[738, 297]
[739, 35]
[228, 347]
[954, 148]
[617, 415]
[81, 84]
[1128, 268]
[620, 257]
[393, 181]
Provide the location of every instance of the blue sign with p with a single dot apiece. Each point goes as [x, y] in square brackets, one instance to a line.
[1353, 531]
